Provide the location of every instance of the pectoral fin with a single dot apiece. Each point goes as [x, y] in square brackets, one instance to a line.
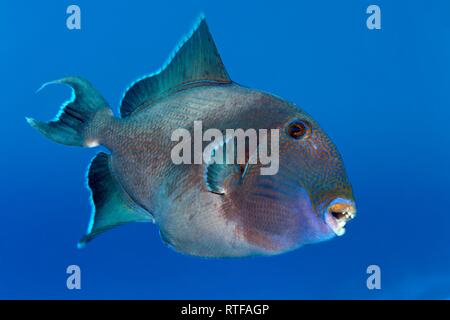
[219, 176]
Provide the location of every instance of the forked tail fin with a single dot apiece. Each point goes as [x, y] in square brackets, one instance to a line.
[80, 118]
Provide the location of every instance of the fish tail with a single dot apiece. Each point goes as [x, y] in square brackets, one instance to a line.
[80, 119]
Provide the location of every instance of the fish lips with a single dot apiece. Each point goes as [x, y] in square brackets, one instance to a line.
[338, 213]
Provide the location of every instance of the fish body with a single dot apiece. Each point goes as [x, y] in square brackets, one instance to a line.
[205, 209]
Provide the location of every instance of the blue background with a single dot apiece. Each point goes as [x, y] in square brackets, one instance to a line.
[383, 96]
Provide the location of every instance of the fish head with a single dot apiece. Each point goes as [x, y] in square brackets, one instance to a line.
[308, 199]
[320, 193]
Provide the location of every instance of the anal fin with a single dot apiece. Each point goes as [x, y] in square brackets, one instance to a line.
[112, 206]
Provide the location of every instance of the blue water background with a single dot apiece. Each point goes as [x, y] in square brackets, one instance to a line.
[383, 97]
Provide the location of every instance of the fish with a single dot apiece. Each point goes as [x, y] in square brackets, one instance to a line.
[212, 209]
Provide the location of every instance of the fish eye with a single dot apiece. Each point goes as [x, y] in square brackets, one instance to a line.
[297, 129]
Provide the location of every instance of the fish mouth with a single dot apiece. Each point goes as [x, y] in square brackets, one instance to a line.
[338, 213]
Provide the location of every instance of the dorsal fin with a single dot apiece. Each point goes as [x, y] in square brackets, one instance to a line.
[196, 60]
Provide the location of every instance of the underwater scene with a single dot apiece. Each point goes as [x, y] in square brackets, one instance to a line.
[225, 149]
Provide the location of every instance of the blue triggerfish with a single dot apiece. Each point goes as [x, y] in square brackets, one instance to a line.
[208, 209]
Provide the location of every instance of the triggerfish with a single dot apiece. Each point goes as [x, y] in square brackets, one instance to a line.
[208, 209]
